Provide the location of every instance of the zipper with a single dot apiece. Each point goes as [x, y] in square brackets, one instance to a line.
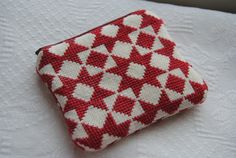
[142, 10]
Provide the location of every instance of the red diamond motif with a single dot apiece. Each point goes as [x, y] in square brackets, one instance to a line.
[124, 105]
[97, 59]
[145, 40]
[175, 83]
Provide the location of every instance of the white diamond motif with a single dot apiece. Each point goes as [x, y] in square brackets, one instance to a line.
[150, 94]
[83, 91]
[136, 71]
[160, 61]
[59, 49]
[110, 30]
[110, 81]
[86, 40]
[122, 49]
[70, 69]
[133, 21]
[95, 117]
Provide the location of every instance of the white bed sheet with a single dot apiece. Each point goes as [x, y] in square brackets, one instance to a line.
[30, 124]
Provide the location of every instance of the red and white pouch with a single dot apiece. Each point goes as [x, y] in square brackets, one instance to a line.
[118, 78]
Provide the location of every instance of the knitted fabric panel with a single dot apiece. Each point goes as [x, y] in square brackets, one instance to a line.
[118, 78]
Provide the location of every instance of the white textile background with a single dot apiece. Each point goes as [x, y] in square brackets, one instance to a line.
[30, 123]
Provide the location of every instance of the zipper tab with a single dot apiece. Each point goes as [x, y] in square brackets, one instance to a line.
[37, 52]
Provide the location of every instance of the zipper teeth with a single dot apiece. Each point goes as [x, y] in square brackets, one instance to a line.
[37, 52]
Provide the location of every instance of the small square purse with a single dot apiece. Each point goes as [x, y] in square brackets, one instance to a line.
[118, 78]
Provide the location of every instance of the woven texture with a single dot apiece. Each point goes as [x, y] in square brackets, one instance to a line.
[119, 78]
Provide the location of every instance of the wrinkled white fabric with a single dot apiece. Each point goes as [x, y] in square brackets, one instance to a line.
[32, 126]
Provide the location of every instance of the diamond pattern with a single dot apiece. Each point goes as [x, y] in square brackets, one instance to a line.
[173, 81]
[122, 49]
[95, 117]
[59, 49]
[110, 82]
[70, 69]
[83, 92]
[97, 59]
[136, 71]
[86, 40]
[119, 78]
[160, 61]
[145, 40]
[175, 84]
[150, 94]
[133, 21]
[110, 30]
[119, 105]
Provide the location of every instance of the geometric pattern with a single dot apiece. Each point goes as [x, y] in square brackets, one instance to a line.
[118, 78]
